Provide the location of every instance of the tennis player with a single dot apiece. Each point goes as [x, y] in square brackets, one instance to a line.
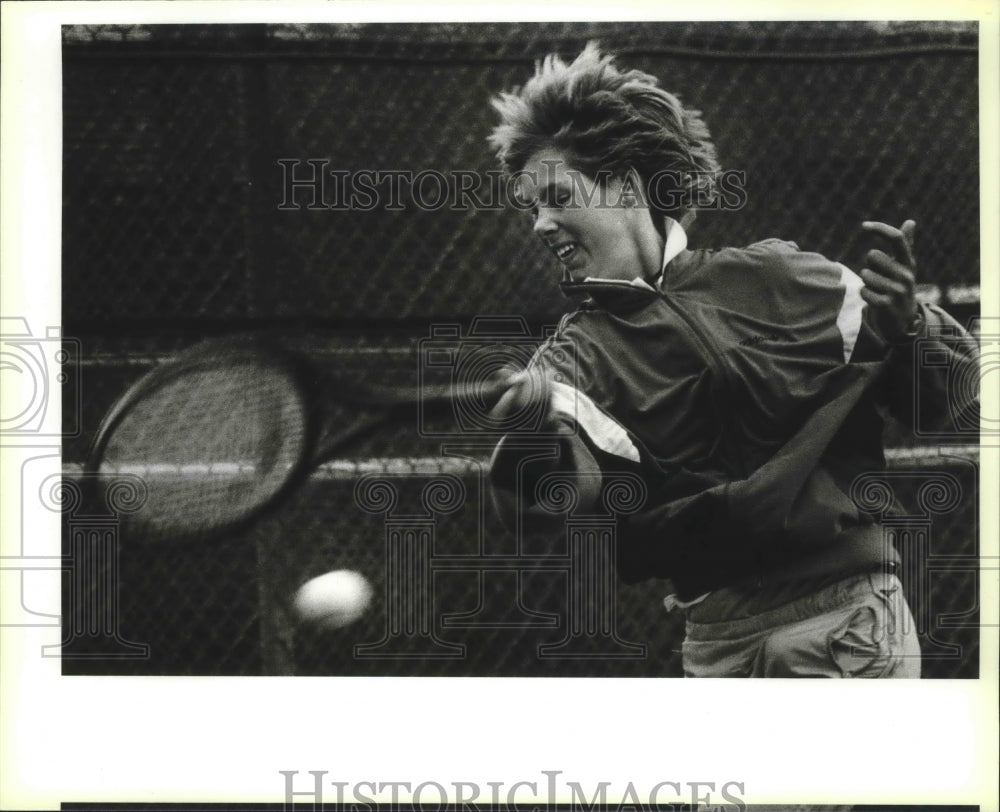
[747, 386]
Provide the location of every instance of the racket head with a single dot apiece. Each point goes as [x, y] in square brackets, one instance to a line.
[216, 435]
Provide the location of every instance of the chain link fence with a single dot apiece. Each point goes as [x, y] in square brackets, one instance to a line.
[455, 594]
[192, 207]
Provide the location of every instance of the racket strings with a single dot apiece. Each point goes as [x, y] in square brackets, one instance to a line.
[211, 445]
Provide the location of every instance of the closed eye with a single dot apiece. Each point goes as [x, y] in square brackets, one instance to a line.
[556, 195]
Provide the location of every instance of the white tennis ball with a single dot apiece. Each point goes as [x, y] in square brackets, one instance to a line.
[333, 600]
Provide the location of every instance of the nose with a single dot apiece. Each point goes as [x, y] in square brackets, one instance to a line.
[544, 225]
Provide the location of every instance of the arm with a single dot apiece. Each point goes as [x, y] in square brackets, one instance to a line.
[522, 460]
[519, 464]
[933, 359]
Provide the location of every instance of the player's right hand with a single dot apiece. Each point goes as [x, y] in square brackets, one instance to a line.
[528, 397]
[521, 461]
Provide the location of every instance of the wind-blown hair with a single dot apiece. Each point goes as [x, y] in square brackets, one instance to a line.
[603, 118]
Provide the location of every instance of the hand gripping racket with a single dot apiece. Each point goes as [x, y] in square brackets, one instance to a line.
[221, 432]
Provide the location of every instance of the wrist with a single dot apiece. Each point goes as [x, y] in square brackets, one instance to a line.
[912, 329]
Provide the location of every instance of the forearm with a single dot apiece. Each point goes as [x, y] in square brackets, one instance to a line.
[933, 374]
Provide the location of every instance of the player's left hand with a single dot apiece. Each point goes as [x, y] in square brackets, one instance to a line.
[890, 279]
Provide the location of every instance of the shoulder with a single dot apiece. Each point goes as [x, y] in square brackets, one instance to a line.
[772, 263]
[765, 250]
[772, 246]
[565, 341]
[769, 255]
[585, 345]
[771, 280]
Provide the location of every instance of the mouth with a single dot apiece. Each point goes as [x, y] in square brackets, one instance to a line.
[564, 251]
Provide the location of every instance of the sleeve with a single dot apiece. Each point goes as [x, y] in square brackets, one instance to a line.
[520, 466]
[932, 376]
[573, 441]
[783, 511]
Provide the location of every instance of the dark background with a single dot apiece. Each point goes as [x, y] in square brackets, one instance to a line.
[172, 231]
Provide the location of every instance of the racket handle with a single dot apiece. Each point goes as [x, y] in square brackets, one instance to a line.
[486, 394]
[505, 394]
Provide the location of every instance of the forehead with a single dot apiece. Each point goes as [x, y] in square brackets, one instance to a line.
[547, 168]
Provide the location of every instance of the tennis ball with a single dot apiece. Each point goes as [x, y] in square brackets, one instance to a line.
[333, 600]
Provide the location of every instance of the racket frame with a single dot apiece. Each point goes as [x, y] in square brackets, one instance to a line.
[207, 355]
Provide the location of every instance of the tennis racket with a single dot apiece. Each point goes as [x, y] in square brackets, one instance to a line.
[223, 431]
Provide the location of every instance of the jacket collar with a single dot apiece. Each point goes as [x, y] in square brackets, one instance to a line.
[674, 244]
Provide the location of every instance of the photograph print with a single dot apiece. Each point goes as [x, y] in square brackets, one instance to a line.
[522, 349]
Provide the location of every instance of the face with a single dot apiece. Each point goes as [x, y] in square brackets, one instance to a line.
[603, 231]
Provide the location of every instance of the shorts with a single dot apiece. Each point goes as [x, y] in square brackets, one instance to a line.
[858, 627]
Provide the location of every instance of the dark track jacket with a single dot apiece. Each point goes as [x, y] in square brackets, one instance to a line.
[748, 394]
